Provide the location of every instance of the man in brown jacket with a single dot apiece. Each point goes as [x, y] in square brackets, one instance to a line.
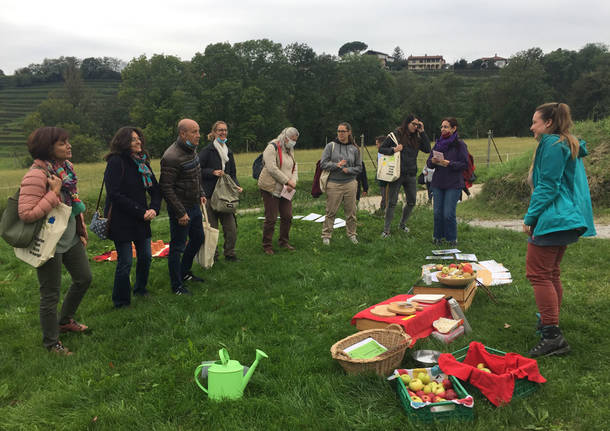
[180, 184]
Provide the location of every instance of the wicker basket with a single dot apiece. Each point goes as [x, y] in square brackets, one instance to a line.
[393, 338]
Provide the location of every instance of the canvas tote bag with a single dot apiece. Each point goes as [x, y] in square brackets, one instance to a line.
[205, 255]
[388, 167]
[225, 198]
[325, 174]
[45, 242]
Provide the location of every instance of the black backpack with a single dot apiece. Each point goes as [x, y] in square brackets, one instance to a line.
[257, 165]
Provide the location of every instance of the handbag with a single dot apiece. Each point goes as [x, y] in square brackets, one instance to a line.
[205, 255]
[45, 241]
[100, 225]
[225, 198]
[388, 167]
[15, 231]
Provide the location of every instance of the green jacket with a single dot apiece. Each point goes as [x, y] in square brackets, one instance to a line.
[560, 200]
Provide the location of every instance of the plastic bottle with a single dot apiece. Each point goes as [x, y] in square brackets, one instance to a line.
[457, 313]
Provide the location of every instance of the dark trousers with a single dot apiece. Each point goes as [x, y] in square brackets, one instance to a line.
[229, 228]
[178, 246]
[49, 277]
[409, 183]
[273, 206]
[121, 291]
[542, 270]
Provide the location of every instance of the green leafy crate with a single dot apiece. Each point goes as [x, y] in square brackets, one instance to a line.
[523, 387]
[441, 412]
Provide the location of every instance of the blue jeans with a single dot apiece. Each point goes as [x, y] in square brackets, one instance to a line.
[445, 222]
[121, 292]
[178, 246]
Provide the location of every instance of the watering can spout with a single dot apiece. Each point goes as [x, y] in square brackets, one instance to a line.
[259, 355]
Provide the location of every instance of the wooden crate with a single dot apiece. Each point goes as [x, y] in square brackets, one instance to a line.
[461, 294]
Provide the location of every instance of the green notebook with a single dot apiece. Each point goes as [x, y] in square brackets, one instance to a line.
[365, 349]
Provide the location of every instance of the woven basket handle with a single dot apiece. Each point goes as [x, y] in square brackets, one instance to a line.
[396, 328]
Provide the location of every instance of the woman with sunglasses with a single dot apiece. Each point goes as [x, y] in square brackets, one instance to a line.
[342, 158]
[411, 139]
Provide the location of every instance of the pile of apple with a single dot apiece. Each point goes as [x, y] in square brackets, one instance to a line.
[425, 390]
[481, 366]
[459, 270]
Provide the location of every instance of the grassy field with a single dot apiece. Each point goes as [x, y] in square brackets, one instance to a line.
[134, 370]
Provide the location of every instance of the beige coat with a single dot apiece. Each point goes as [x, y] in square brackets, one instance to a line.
[272, 177]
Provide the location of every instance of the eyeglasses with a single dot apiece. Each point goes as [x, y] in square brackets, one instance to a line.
[414, 123]
[221, 130]
[342, 131]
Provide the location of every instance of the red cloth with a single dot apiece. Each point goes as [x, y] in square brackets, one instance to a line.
[417, 327]
[497, 386]
[158, 249]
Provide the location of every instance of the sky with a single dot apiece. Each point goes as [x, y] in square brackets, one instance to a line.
[33, 30]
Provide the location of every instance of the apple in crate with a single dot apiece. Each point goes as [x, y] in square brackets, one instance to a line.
[424, 377]
[416, 385]
[447, 384]
[420, 393]
[405, 378]
[450, 394]
[426, 398]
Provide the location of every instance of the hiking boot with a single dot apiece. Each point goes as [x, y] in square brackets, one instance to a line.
[403, 227]
[326, 241]
[59, 349]
[73, 326]
[385, 235]
[539, 326]
[552, 343]
[189, 276]
[181, 290]
[353, 239]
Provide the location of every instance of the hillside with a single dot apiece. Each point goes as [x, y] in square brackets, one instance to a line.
[17, 102]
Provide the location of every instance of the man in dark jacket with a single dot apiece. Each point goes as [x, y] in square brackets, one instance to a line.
[181, 186]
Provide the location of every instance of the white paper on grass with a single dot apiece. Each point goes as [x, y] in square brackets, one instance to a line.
[466, 256]
[311, 217]
[297, 217]
[447, 251]
[320, 220]
[444, 257]
[339, 222]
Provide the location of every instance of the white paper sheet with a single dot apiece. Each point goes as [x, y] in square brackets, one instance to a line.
[447, 251]
[339, 223]
[311, 217]
[320, 220]
[466, 256]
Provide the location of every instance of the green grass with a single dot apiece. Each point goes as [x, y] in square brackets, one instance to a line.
[135, 368]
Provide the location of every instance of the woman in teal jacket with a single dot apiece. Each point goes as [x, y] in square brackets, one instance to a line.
[558, 214]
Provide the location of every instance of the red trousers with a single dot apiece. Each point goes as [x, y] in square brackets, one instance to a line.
[542, 270]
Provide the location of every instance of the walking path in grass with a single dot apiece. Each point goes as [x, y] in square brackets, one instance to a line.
[372, 203]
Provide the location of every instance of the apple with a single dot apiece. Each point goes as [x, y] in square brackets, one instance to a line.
[480, 365]
[420, 393]
[467, 268]
[445, 270]
[415, 385]
[428, 389]
[417, 399]
[424, 377]
[439, 399]
[405, 378]
[453, 265]
[487, 370]
[426, 399]
[447, 384]
[439, 390]
[439, 267]
[450, 394]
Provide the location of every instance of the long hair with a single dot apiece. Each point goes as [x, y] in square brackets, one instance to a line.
[121, 142]
[348, 126]
[287, 133]
[561, 119]
[212, 134]
[406, 137]
[41, 141]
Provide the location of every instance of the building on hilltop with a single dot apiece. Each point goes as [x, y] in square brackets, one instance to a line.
[494, 61]
[425, 62]
[381, 56]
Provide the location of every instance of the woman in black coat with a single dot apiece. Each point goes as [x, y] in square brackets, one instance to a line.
[217, 160]
[128, 179]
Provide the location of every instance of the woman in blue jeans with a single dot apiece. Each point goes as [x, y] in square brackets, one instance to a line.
[449, 158]
[129, 178]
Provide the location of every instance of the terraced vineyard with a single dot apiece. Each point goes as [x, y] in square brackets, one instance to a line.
[17, 102]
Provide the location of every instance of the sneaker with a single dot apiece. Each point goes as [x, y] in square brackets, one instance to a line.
[269, 252]
[384, 235]
[73, 326]
[59, 349]
[181, 290]
[403, 227]
[189, 276]
[437, 241]
[326, 241]
[353, 239]
[549, 347]
[453, 243]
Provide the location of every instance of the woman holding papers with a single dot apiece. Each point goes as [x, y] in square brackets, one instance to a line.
[342, 158]
[559, 212]
[448, 159]
[217, 160]
[277, 183]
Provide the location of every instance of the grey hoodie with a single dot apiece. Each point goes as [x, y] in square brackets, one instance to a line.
[333, 153]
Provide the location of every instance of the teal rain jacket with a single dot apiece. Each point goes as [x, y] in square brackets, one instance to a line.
[561, 199]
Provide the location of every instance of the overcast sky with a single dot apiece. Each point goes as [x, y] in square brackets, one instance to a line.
[32, 30]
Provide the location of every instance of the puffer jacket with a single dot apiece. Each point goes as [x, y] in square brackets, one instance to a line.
[180, 179]
[273, 177]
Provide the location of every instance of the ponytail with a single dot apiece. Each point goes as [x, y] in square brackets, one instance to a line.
[561, 123]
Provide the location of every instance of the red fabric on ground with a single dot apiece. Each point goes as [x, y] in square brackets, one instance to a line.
[158, 249]
[498, 386]
[417, 327]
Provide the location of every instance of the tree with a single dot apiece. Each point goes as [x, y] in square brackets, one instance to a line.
[398, 54]
[352, 47]
[461, 64]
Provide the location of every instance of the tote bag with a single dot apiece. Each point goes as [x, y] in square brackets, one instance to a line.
[15, 231]
[45, 242]
[205, 255]
[388, 167]
[225, 198]
[325, 174]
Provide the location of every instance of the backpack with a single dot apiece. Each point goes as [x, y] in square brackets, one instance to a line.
[469, 175]
[257, 165]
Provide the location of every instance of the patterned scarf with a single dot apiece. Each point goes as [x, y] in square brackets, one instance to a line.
[144, 169]
[65, 172]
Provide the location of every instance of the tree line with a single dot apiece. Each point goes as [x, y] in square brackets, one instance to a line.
[259, 87]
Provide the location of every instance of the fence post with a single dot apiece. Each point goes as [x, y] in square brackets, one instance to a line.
[488, 145]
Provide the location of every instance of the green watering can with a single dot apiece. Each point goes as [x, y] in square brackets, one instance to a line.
[226, 378]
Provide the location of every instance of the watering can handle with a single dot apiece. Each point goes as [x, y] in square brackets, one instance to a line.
[224, 356]
[197, 372]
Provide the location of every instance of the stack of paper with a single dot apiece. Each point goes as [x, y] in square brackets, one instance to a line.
[365, 349]
[499, 273]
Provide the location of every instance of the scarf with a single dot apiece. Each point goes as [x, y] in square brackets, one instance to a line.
[65, 172]
[442, 144]
[223, 152]
[143, 169]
